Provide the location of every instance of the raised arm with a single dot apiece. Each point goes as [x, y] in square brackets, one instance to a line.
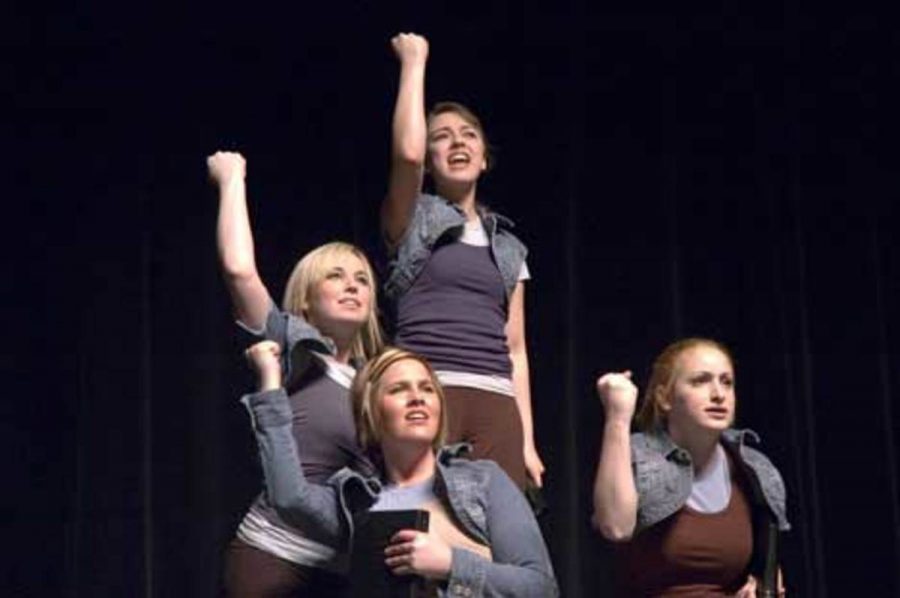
[310, 507]
[249, 296]
[615, 495]
[521, 379]
[409, 131]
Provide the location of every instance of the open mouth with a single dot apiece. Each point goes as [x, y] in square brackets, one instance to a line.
[350, 303]
[417, 416]
[459, 159]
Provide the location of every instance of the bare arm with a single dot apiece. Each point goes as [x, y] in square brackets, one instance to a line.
[249, 296]
[518, 354]
[615, 495]
[409, 132]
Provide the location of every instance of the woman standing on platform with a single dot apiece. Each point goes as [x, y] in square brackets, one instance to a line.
[327, 321]
[691, 503]
[457, 272]
[482, 538]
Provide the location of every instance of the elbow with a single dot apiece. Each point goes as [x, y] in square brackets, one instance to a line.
[612, 531]
[237, 271]
[411, 154]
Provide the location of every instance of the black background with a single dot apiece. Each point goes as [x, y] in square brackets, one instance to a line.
[727, 171]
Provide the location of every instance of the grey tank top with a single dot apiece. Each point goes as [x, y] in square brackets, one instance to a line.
[455, 312]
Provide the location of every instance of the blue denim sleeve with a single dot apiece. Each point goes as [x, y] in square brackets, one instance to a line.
[311, 507]
[521, 564]
[291, 333]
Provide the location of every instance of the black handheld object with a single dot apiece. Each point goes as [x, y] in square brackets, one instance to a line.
[768, 584]
[369, 576]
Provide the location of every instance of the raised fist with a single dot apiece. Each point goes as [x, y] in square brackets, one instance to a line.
[410, 48]
[224, 166]
[264, 359]
[618, 395]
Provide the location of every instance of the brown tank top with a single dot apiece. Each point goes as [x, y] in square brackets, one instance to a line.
[691, 553]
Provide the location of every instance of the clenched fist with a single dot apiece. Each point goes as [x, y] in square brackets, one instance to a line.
[410, 48]
[265, 359]
[618, 395]
[226, 166]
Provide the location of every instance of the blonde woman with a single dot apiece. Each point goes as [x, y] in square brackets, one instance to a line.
[327, 322]
[686, 497]
[483, 539]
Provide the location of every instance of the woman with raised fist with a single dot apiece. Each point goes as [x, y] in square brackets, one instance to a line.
[457, 272]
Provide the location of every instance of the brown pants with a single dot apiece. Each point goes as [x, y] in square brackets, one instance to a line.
[254, 573]
[491, 423]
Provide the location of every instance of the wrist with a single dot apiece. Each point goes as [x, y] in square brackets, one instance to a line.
[413, 65]
[618, 423]
[269, 381]
[230, 181]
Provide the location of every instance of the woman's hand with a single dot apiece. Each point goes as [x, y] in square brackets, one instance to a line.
[748, 590]
[418, 553]
[618, 395]
[410, 48]
[264, 358]
[533, 465]
[226, 166]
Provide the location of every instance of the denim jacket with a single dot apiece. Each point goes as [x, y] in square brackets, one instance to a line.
[433, 217]
[296, 337]
[482, 498]
[663, 475]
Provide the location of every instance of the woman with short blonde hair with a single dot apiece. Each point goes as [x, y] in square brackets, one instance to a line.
[482, 539]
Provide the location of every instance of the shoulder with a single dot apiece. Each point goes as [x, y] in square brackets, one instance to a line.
[752, 456]
[742, 439]
[483, 476]
[432, 215]
[428, 204]
[355, 490]
[650, 446]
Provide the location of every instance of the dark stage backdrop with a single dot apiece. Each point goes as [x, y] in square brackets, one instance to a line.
[728, 173]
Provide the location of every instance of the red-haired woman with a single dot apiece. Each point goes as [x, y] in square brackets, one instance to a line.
[686, 497]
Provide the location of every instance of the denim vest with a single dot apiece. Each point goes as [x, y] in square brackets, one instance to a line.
[484, 501]
[434, 217]
[467, 487]
[456, 486]
[664, 473]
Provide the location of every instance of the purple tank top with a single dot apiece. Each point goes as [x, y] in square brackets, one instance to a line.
[323, 425]
[455, 312]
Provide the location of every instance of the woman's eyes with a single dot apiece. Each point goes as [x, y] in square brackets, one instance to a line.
[363, 280]
[468, 134]
[707, 378]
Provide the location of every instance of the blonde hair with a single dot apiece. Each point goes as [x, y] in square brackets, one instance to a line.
[467, 115]
[364, 394]
[310, 271]
[662, 379]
